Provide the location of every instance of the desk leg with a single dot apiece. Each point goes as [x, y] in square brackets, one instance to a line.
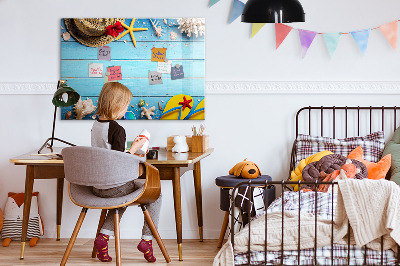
[176, 182]
[60, 190]
[27, 206]
[199, 204]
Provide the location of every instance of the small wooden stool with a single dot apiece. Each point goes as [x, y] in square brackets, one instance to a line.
[226, 183]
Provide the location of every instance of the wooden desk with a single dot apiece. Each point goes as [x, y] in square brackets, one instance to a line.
[168, 164]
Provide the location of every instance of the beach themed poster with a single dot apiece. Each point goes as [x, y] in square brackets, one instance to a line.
[160, 60]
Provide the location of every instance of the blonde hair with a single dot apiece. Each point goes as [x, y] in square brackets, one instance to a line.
[113, 97]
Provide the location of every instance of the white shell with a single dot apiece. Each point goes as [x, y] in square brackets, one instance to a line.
[83, 108]
[66, 36]
[157, 28]
[173, 35]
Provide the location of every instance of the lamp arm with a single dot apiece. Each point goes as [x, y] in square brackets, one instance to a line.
[54, 126]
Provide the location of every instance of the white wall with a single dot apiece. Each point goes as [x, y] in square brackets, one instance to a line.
[259, 127]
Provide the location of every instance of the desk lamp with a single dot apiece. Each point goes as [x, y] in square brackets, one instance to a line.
[273, 11]
[63, 97]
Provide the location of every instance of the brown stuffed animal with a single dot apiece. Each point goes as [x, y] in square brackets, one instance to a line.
[245, 169]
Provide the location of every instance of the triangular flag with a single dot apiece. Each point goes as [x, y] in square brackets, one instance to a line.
[213, 2]
[281, 31]
[237, 8]
[361, 37]
[306, 39]
[332, 41]
[390, 32]
[255, 28]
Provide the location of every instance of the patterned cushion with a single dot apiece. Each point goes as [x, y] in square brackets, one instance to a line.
[372, 144]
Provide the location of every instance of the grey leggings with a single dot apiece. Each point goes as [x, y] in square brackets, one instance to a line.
[154, 208]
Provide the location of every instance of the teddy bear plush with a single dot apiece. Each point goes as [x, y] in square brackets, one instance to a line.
[245, 169]
[180, 144]
[13, 215]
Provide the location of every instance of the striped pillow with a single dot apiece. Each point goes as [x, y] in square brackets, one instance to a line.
[372, 145]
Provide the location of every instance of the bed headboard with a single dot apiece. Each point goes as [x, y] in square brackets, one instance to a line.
[344, 121]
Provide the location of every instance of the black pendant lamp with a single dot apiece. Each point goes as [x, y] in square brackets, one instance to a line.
[273, 11]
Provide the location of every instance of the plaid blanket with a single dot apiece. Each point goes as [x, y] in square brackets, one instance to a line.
[323, 205]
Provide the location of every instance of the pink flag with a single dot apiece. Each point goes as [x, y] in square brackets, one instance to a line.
[306, 39]
[389, 30]
[281, 31]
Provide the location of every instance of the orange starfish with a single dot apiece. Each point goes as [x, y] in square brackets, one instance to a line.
[130, 29]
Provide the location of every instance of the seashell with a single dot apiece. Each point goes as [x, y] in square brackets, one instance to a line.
[165, 21]
[141, 103]
[173, 35]
[157, 28]
[159, 106]
[68, 115]
[66, 36]
[83, 108]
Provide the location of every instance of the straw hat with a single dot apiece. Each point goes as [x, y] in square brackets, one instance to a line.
[91, 31]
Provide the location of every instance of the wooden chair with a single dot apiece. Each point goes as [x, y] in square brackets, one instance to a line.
[85, 167]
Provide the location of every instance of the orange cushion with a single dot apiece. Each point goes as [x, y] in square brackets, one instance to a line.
[375, 170]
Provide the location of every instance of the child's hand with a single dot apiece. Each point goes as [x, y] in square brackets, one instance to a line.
[143, 155]
[137, 144]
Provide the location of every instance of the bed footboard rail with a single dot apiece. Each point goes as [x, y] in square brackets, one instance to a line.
[282, 257]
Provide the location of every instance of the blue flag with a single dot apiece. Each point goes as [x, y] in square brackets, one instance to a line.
[213, 2]
[361, 37]
[237, 9]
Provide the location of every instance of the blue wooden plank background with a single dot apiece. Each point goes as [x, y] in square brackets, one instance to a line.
[135, 64]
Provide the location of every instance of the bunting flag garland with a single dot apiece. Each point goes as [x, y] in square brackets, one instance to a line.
[281, 31]
[256, 28]
[389, 30]
[306, 39]
[361, 37]
[332, 41]
[213, 2]
[237, 8]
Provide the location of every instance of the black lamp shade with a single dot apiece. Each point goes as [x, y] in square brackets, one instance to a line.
[73, 96]
[273, 11]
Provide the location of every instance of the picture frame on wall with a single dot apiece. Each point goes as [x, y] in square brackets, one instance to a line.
[161, 60]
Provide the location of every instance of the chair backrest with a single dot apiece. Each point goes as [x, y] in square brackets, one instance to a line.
[92, 166]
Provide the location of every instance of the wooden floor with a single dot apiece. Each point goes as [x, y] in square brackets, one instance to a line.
[50, 252]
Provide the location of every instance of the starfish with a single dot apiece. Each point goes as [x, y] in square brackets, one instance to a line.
[130, 29]
[185, 103]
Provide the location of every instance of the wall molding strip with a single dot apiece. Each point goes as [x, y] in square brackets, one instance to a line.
[250, 87]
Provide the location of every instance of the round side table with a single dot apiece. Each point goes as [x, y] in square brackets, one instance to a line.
[226, 183]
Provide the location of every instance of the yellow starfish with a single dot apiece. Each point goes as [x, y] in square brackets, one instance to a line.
[130, 29]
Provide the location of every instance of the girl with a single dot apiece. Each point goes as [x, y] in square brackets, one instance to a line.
[106, 133]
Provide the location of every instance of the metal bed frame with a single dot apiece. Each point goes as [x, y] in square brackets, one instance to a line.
[283, 184]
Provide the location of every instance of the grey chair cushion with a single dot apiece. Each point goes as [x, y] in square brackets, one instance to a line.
[83, 196]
